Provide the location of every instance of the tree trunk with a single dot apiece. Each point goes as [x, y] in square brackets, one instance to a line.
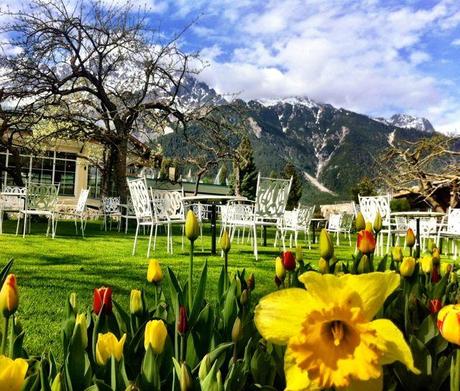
[107, 172]
[120, 168]
[237, 181]
[15, 172]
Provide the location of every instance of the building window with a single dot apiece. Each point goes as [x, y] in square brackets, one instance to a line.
[51, 168]
[94, 182]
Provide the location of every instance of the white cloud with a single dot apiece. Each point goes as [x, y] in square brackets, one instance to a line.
[456, 42]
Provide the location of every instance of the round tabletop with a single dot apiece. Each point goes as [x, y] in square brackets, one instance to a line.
[417, 214]
[210, 197]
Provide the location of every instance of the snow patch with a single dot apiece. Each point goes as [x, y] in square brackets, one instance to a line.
[298, 100]
[317, 183]
[391, 137]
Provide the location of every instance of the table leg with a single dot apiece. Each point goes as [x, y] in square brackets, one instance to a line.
[265, 234]
[213, 228]
[313, 229]
[417, 248]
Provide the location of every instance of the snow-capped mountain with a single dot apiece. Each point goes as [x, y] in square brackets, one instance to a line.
[332, 148]
[407, 121]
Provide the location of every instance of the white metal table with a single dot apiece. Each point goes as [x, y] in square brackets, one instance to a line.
[417, 215]
[213, 199]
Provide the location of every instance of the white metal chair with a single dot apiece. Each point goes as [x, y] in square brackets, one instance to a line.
[268, 208]
[428, 229]
[41, 200]
[450, 229]
[79, 213]
[143, 208]
[293, 222]
[369, 206]
[12, 199]
[168, 210]
[127, 213]
[110, 209]
[334, 224]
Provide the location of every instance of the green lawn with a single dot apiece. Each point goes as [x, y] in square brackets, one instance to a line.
[48, 270]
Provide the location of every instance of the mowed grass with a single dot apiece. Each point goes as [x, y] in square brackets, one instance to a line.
[48, 270]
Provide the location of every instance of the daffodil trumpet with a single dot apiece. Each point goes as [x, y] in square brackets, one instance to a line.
[331, 337]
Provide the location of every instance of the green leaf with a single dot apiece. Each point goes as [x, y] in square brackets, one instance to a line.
[174, 288]
[199, 295]
[382, 266]
[422, 357]
[428, 329]
[121, 316]
[5, 270]
[439, 288]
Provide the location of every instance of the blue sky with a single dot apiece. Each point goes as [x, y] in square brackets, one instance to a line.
[374, 57]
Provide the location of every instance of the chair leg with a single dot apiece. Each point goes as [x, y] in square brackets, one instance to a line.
[155, 238]
[135, 239]
[76, 226]
[25, 225]
[255, 242]
[17, 224]
[82, 226]
[126, 225]
[150, 241]
[1, 222]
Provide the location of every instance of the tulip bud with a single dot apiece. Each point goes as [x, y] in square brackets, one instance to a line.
[192, 227]
[182, 325]
[323, 266]
[280, 271]
[102, 301]
[445, 268]
[154, 273]
[449, 323]
[135, 303]
[369, 227]
[407, 267]
[185, 378]
[224, 242]
[12, 373]
[364, 266]
[435, 276]
[9, 298]
[427, 264]
[81, 327]
[298, 253]
[205, 367]
[288, 260]
[338, 269]
[435, 306]
[378, 223]
[366, 242]
[244, 297]
[453, 278]
[251, 282]
[410, 238]
[359, 222]
[397, 254]
[155, 336]
[436, 256]
[57, 383]
[430, 245]
[237, 330]
[108, 345]
[278, 282]
[73, 301]
[326, 248]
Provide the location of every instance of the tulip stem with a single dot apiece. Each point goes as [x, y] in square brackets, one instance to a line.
[190, 274]
[226, 269]
[5, 333]
[455, 370]
[156, 296]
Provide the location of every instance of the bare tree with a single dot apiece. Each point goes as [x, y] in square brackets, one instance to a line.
[423, 168]
[97, 72]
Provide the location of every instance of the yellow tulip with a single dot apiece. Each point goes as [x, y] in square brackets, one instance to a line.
[9, 298]
[323, 266]
[135, 302]
[81, 327]
[378, 223]
[192, 228]
[360, 222]
[445, 268]
[154, 273]
[107, 346]
[155, 336]
[407, 267]
[369, 227]
[12, 373]
[331, 337]
[280, 271]
[427, 264]
[397, 254]
[410, 238]
[449, 323]
[326, 248]
[224, 242]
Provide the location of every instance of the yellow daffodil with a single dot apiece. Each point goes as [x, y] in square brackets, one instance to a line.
[107, 346]
[154, 273]
[155, 336]
[12, 373]
[331, 338]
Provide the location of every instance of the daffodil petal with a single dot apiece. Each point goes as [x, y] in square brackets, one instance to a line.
[279, 315]
[373, 384]
[394, 347]
[296, 379]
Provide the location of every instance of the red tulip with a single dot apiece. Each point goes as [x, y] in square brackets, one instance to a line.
[366, 242]
[288, 260]
[435, 306]
[102, 300]
[182, 326]
[435, 276]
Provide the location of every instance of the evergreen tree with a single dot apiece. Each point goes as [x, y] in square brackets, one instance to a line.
[244, 170]
[296, 188]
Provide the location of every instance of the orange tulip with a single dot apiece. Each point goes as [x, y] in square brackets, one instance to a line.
[366, 242]
[410, 238]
